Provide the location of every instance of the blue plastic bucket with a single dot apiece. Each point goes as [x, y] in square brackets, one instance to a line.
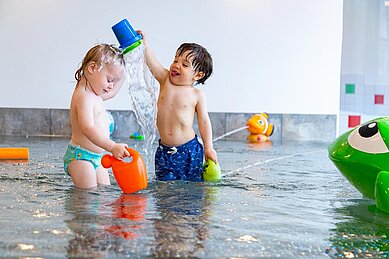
[126, 35]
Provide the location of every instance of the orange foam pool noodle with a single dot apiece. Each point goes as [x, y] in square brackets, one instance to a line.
[7, 153]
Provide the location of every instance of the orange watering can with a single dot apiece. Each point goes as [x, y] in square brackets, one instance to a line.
[131, 176]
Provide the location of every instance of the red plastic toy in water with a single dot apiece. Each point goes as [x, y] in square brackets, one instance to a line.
[131, 176]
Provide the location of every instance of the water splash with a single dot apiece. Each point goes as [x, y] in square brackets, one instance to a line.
[230, 133]
[143, 91]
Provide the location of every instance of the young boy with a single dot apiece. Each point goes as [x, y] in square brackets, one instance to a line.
[179, 155]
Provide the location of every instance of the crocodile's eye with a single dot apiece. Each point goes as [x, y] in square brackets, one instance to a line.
[367, 138]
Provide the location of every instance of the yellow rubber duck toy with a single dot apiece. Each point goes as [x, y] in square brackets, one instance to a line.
[259, 127]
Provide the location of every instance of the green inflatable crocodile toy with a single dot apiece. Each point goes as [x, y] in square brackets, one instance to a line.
[362, 156]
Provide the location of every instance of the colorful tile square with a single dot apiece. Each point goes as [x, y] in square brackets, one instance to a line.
[354, 120]
[350, 88]
[379, 99]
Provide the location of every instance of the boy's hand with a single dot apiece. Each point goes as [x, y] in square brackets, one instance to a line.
[119, 151]
[144, 41]
[210, 153]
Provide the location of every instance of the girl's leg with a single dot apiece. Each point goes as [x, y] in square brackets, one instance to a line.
[83, 174]
[102, 176]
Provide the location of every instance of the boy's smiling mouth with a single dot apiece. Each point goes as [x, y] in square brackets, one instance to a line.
[174, 73]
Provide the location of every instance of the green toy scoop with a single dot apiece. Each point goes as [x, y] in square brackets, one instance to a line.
[211, 171]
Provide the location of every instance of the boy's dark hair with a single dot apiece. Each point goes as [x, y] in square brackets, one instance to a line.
[202, 60]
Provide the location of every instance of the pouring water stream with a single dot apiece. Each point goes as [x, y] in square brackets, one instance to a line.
[143, 91]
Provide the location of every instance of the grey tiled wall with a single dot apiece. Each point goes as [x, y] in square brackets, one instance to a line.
[55, 122]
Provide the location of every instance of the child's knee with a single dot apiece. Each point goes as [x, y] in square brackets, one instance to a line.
[83, 174]
[102, 176]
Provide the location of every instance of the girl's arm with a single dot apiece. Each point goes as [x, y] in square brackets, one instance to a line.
[87, 127]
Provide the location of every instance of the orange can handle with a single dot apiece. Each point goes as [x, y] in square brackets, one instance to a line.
[107, 159]
[13, 153]
[130, 176]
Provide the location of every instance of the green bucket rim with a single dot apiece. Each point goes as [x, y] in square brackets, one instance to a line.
[132, 46]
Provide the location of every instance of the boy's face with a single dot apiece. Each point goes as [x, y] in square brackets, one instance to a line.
[182, 71]
[104, 79]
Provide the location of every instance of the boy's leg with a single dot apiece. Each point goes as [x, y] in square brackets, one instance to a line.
[194, 163]
[83, 174]
[163, 166]
[102, 176]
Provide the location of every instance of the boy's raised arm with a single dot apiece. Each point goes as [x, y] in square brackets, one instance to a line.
[158, 71]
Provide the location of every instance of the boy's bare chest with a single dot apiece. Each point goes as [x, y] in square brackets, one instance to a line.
[177, 96]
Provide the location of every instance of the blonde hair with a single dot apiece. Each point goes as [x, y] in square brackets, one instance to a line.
[101, 54]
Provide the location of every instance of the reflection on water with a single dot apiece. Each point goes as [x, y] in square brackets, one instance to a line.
[131, 207]
[182, 225]
[292, 202]
[178, 227]
[88, 240]
[362, 232]
[101, 227]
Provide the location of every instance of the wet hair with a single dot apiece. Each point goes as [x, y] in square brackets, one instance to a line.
[101, 54]
[202, 60]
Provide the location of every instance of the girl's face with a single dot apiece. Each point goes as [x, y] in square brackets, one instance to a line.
[182, 71]
[103, 80]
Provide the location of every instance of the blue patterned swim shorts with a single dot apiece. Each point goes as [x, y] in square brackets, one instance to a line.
[184, 162]
[78, 153]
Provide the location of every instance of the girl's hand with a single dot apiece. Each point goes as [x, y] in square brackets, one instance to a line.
[119, 151]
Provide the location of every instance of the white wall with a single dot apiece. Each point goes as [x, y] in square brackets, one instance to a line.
[276, 56]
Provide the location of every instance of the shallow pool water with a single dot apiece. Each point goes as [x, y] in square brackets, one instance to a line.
[275, 200]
